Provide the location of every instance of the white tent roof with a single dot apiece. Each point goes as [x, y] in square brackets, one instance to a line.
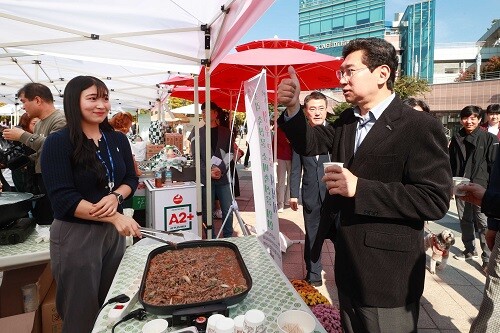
[188, 109]
[132, 45]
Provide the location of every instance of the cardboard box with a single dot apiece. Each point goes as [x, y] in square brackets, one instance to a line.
[152, 150]
[11, 298]
[51, 321]
[174, 139]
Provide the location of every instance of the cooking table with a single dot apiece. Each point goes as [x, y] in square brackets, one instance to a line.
[27, 253]
[271, 291]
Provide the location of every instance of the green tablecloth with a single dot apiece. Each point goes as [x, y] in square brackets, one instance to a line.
[271, 291]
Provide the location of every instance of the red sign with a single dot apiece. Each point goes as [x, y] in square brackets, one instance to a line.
[177, 199]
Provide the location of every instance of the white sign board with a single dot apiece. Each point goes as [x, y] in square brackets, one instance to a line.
[260, 143]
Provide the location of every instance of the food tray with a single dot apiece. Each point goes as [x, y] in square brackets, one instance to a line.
[169, 309]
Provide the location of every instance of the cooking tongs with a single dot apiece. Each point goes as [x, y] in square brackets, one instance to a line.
[150, 233]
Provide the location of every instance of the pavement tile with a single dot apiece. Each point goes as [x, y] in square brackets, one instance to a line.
[425, 321]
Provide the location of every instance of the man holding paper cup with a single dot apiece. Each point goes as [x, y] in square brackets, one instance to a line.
[395, 176]
[472, 154]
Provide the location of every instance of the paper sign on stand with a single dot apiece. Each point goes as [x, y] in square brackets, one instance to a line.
[260, 143]
[172, 207]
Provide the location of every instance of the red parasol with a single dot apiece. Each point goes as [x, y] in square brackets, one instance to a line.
[225, 98]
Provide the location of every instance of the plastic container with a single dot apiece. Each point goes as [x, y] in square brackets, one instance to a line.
[168, 176]
[158, 182]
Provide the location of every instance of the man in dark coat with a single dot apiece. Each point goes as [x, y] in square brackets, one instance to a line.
[472, 154]
[396, 175]
[310, 170]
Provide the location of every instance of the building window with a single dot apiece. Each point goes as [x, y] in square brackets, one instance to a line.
[451, 70]
[376, 15]
[326, 25]
[304, 30]
[350, 20]
[314, 27]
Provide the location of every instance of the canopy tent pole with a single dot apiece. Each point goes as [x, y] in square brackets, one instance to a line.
[197, 158]
[208, 154]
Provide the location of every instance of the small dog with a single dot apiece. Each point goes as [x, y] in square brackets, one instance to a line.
[440, 245]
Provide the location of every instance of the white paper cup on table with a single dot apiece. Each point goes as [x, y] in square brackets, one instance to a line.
[224, 325]
[327, 164]
[239, 324]
[155, 326]
[459, 181]
[254, 321]
[30, 297]
[296, 321]
[212, 321]
[129, 240]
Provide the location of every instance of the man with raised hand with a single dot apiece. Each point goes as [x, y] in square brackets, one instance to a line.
[310, 170]
[395, 176]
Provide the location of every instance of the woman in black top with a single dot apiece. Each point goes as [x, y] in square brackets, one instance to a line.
[88, 170]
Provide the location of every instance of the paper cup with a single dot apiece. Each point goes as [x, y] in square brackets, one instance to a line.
[224, 325]
[212, 321]
[293, 320]
[459, 181]
[327, 164]
[254, 321]
[155, 326]
[239, 324]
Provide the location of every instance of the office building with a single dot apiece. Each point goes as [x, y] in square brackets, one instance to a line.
[416, 31]
[330, 24]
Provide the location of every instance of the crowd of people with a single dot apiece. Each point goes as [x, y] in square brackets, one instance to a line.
[397, 173]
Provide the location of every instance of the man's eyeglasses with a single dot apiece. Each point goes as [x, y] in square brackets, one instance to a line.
[348, 73]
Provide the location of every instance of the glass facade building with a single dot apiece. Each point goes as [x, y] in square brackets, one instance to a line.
[417, 40]
[330, 24]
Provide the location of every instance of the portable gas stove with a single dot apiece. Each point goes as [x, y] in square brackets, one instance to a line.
[17, 231]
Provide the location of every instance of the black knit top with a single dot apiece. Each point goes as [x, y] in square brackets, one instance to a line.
[67, 185]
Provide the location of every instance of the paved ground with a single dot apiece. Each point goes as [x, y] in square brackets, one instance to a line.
[451, 298]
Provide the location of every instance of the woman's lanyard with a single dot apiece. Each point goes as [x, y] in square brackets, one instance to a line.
[109, 175]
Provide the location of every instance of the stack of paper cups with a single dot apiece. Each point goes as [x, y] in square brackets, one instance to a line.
[239, 322]
[224, 325]
[254, 321]
[212, 322]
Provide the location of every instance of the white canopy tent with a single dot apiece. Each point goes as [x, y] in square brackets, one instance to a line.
[159, 35]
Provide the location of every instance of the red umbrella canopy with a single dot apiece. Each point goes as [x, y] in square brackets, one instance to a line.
[275, 44]
[314, 70]
[225, 98]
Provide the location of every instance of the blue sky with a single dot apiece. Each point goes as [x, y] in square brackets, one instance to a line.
[456, 20]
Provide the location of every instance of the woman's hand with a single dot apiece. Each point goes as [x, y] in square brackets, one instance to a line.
[107, 206]
[126, 225]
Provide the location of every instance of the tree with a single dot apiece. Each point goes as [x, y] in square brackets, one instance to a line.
[493, 65]
[468, 75]
[337, 110]
[407, 86]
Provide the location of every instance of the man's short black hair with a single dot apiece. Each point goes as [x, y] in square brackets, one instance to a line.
[376, 52]
[470, 110]
[493, 108]
[213, 106]
[32, 90]
[315, 95]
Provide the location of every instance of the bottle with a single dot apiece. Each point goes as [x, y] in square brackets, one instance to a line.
[168, 176]
[158, 182]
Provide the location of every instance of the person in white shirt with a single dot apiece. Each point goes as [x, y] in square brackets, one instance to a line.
[492, 120]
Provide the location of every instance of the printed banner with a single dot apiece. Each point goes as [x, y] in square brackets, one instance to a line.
[260, 143]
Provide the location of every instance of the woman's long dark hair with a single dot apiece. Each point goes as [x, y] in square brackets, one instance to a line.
[84, 153]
